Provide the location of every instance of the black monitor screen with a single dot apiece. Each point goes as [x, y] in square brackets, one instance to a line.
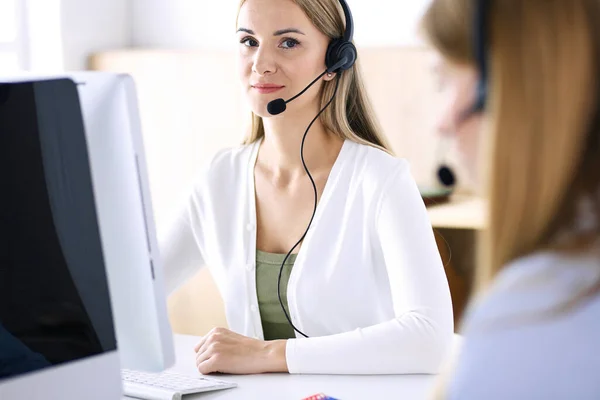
[54, 302]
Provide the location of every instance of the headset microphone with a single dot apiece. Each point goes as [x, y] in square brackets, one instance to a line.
[446, 175]
[278, 106]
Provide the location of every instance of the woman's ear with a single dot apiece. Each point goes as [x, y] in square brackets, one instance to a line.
[329, 76]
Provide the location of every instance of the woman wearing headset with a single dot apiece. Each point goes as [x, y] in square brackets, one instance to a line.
[364, 291]
[523, 89]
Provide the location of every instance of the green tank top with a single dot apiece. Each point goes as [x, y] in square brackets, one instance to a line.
[275, 325]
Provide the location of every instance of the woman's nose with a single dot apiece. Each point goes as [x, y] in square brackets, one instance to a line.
[264, 62]
[445, 125]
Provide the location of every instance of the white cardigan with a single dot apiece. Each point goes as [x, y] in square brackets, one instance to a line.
[368, 285]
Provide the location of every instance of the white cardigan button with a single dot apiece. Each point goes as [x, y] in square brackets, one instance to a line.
[250, 267]
[249, 227]
[253, 308]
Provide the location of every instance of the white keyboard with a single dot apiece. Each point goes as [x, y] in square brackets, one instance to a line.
[167, 385]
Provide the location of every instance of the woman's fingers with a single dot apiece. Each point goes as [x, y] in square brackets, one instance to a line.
[209, 349]
[210, 345]
[208, 366]
[200, 343]
[202, 356]
[215, 333]
[209, 361]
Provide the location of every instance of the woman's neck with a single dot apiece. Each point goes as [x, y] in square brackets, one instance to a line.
[280, 150]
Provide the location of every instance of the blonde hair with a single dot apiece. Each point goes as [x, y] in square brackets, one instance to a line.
[542, 121]
[350, 115]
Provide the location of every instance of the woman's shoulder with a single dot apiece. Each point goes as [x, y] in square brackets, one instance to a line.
[377, 175]
[523, 327]
[225, 169]
[378, 164]
[377, 157]
[230, 159]
[535, 284]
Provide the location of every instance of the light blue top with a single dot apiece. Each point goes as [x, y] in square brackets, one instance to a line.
[518, 345]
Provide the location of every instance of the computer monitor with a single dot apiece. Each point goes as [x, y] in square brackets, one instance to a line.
[124, 206]
[81, 290]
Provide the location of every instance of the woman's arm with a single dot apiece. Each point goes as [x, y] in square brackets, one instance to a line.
[420, 336]
[180, 250]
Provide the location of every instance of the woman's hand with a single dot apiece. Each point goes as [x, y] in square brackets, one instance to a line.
[226, 352]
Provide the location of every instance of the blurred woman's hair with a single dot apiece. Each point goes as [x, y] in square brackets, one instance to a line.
[542, 127]
[350, 115]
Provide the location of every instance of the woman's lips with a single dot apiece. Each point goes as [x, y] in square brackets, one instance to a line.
[265, 88]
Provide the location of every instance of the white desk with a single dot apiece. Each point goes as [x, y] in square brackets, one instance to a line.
[297, 387]
[461, 212]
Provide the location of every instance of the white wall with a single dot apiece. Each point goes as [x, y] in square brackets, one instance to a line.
[43, 36]
[209, 23]
[81, 27]
[387, 22]
[93, 25]
[62, 33]
[183, 23]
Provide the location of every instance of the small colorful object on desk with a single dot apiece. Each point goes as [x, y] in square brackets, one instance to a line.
[319, 396]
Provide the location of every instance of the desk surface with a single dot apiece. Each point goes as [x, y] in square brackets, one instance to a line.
[297, 387]
[461, 212]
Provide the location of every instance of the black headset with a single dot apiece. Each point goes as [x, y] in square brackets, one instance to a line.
[341, 55]
[480, 35]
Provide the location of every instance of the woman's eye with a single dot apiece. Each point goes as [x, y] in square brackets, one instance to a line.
[249, 42]
[289, 43]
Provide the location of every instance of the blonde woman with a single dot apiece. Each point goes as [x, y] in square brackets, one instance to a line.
[365, 291]
[523, 102]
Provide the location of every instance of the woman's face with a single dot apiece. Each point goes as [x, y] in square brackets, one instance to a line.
[280, 53]
[458, 85]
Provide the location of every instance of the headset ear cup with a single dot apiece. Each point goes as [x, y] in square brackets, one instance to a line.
[331, 55]
[348, 50]
[337, 50]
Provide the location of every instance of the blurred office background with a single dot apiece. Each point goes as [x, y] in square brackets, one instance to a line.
[181, 54]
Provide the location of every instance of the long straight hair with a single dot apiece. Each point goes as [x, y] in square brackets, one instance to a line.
[542, 124]
[350, 115]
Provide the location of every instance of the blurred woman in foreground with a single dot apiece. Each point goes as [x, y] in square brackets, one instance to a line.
[523, 103]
